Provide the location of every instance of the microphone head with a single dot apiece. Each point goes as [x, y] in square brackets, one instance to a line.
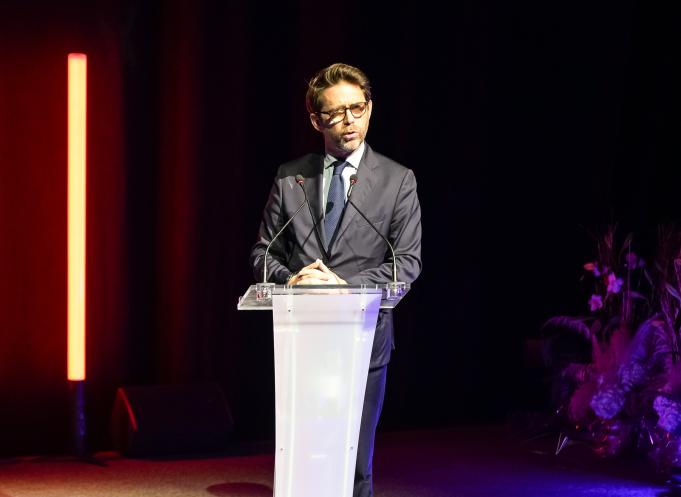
[353, 179]
[299, 179]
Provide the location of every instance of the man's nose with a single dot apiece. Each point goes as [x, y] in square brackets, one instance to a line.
[348, 118]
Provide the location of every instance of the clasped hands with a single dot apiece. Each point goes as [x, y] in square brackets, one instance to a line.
[316, 274]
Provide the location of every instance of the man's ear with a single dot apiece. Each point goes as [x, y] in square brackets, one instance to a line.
[316, 123]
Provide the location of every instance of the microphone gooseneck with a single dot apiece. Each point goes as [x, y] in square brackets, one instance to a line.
[325, 256]
[353, 182]
[299, 180]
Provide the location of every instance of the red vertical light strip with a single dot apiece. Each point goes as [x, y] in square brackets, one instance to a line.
[77, 112]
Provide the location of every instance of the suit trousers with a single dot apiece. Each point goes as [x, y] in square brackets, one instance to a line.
[373, 403]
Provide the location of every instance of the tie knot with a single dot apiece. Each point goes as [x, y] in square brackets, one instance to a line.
[338, 167]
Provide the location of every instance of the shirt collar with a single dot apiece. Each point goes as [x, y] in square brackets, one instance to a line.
[353, 159]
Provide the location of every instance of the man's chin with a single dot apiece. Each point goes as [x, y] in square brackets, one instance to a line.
[344, 148]
[351, 145]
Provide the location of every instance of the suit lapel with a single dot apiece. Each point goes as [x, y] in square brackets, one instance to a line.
[315, 194]
[360, 193]
[315, 191]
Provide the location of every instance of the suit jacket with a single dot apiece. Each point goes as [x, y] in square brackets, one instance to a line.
[385, 192]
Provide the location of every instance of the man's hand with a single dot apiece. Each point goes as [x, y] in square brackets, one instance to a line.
[316, 274]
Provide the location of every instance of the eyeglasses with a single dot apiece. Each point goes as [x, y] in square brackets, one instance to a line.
[337, 115]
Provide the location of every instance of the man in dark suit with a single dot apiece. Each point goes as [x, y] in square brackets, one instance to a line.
[338, 246]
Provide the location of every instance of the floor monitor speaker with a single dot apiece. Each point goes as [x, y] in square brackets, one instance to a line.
[170, 419]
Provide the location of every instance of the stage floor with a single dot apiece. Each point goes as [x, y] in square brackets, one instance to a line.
[458, 462]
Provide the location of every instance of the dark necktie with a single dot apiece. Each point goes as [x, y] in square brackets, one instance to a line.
[335, 201]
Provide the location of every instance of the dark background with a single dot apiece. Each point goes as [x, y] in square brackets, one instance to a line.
[530, 126]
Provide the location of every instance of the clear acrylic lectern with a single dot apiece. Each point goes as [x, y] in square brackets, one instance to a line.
[323, 337]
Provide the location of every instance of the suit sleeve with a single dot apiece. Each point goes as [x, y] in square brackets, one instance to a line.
[272, 221]
[404, 235]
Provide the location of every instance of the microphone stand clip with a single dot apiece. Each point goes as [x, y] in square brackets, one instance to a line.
[395, 290]
[263, 291]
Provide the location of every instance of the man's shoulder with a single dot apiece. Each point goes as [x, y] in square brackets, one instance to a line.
[308, 165]
[377, 160]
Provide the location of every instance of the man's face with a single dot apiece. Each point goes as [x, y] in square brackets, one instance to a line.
[341, 138]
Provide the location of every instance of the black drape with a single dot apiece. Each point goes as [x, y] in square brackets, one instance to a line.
[528, 125]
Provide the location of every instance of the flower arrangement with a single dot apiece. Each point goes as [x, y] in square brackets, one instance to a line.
[615, 371]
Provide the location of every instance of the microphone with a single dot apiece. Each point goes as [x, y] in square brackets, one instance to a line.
[300, 181]
[353, 182]
[325, 256]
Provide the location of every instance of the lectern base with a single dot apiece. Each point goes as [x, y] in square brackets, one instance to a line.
[322, 349]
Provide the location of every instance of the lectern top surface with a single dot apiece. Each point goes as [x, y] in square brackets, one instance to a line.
[259, 297]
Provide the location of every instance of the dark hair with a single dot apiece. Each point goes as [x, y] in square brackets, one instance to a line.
[330, 76]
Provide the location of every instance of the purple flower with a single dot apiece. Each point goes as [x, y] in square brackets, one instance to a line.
[614, 283]
[633, 374]
[608, 402]
[669, 414]
[595, 302]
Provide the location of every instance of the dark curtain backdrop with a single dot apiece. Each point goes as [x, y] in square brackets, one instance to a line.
[527, 125]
